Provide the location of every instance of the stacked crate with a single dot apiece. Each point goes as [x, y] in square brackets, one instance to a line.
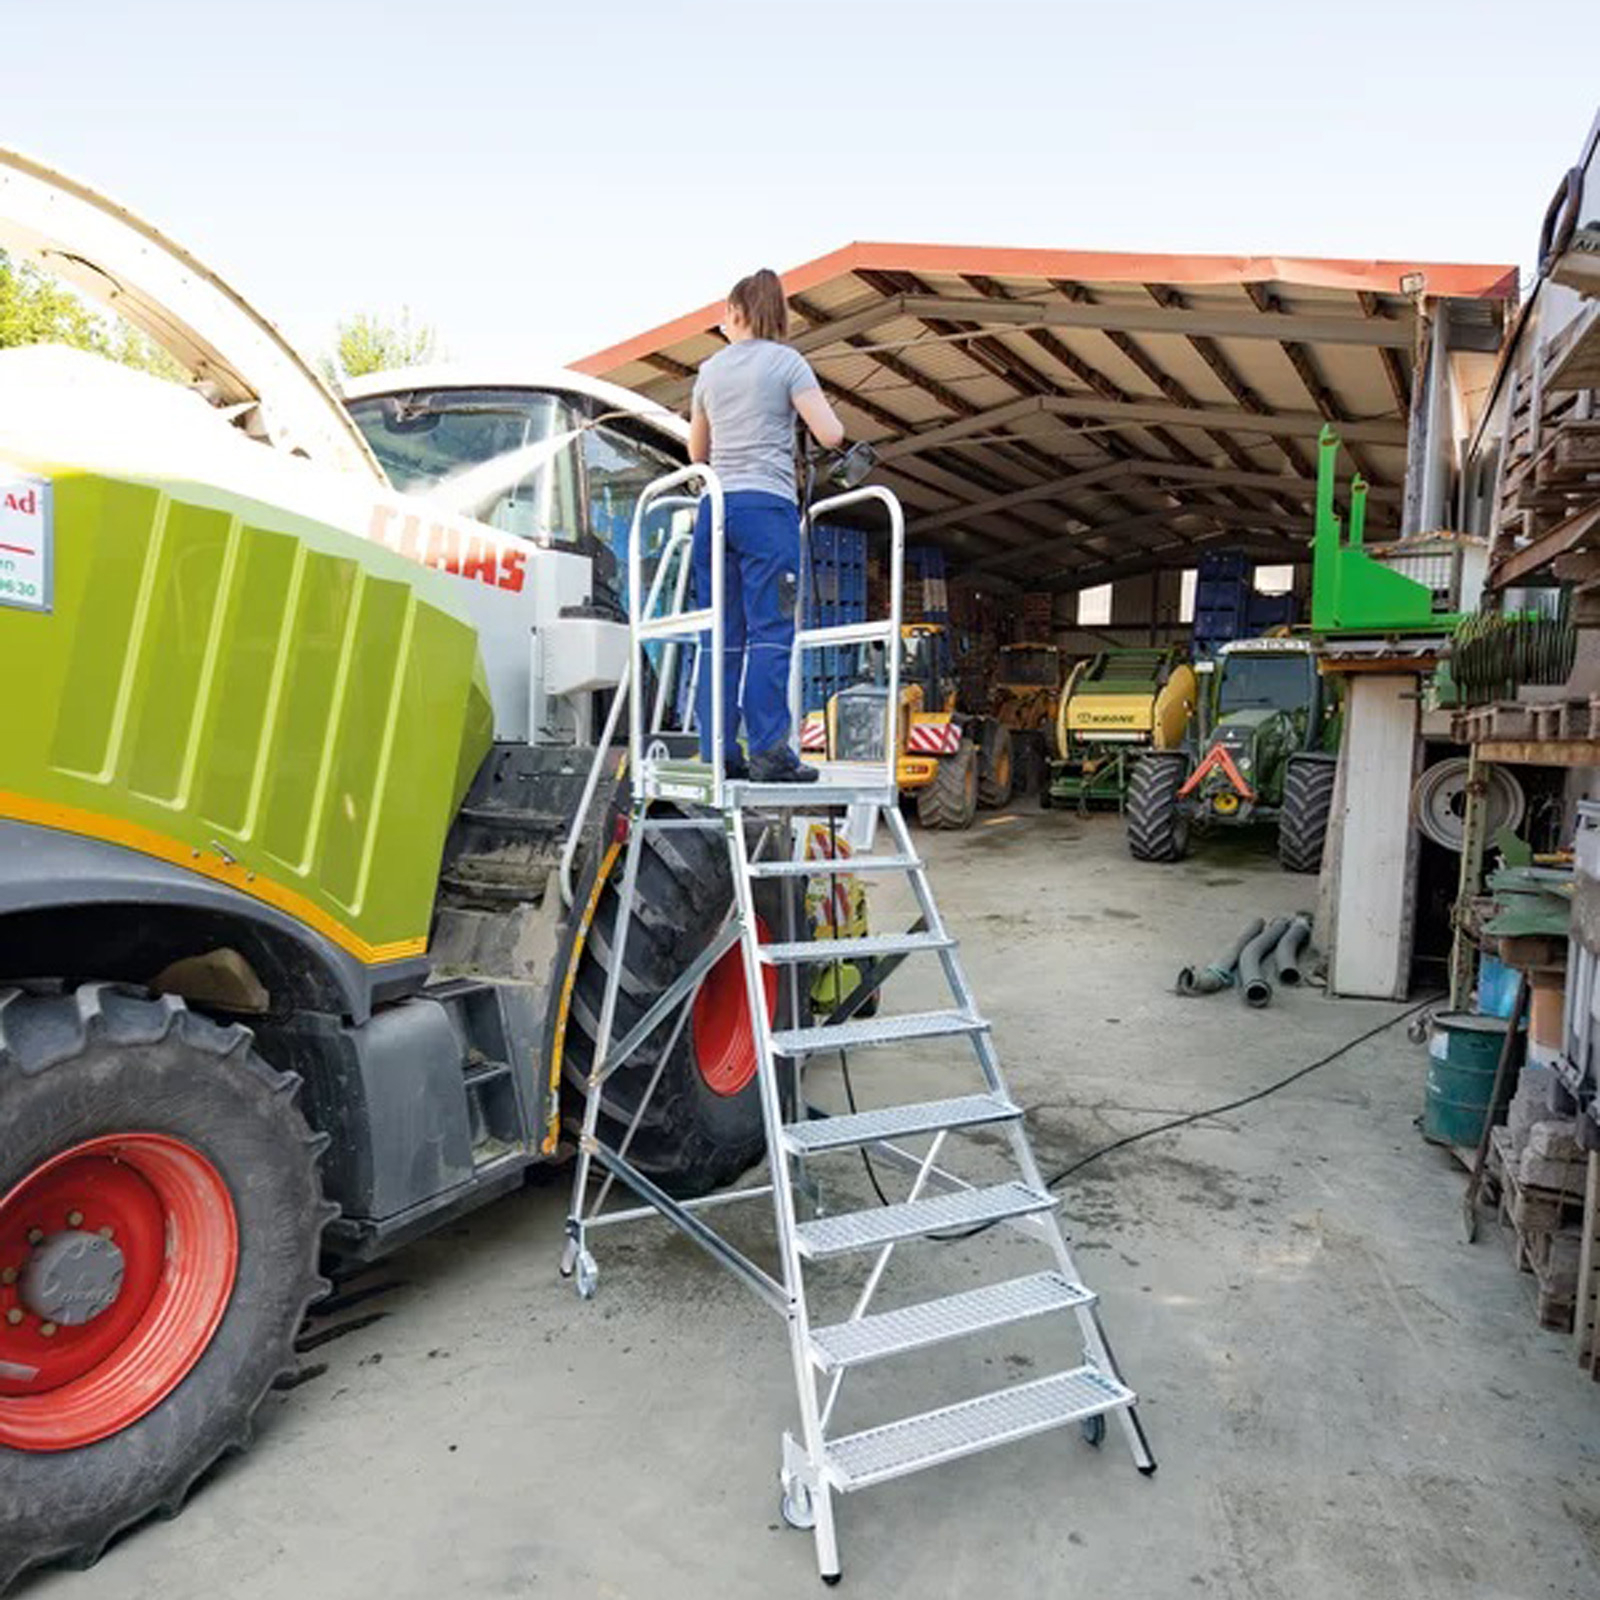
[836, 590]
[927, 597]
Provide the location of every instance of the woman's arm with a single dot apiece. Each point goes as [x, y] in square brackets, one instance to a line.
[819, 417]
[700, 435]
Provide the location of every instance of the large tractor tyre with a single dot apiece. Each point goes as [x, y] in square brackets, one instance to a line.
[951, 800]
[1157, 828]
[160, 1218]
[1303, 819]
[996, 766]
[702, 1128]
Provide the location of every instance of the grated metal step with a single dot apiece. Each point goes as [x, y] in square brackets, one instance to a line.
[911, 1219]
[871, 946]
[822, 795]
[812, 869]
[897, 1448]
[997, 1305]
[876, 1030]
[896, 1122]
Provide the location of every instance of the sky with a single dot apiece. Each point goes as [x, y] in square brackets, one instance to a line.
[538, 180]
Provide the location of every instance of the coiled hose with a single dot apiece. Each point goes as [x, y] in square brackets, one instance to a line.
[1219, 975]
[1253, 981]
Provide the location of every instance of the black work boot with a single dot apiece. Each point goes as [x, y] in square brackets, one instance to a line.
[781, 765]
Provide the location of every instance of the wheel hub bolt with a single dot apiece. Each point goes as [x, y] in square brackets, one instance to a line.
[74, 1219]
[14, 1315]
[9, 1275]
[107, 1233]
[35, 1235]
[47, 1329]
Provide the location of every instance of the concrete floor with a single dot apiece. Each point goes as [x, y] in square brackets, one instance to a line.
[1347, 1402]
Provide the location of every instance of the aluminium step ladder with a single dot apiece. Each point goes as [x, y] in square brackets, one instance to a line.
[818, 1462]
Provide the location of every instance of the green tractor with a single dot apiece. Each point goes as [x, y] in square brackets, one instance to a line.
[1264, 748]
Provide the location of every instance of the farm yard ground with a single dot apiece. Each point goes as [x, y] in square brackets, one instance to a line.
[1345, 1399]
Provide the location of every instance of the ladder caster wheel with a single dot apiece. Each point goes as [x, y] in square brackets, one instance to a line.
[1094, 1429]
[794, 1506]
[588, 1275]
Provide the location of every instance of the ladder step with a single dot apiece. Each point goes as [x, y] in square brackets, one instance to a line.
[896, 1122]
[911, 1219]
[818, 796]
[892, 1451]
[810, 869]
[870, 946]
[998, 1305]
[876, 1030]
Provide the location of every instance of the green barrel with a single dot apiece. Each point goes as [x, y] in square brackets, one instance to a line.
[1463, 1053]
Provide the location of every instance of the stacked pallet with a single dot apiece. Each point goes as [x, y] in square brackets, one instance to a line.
[1552, 468]
[1542, 1193]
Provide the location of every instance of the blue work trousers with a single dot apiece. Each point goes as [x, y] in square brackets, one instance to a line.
[759, 587]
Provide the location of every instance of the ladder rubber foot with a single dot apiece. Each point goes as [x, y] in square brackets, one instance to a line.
[831, 1578]
[1148, 1472]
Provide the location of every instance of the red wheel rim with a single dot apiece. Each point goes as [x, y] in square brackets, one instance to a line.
[724, 1045]
[168, 1214]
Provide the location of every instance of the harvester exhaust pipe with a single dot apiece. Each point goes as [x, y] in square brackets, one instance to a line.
[1219, 975]
[1290, 948]
[1257, 990]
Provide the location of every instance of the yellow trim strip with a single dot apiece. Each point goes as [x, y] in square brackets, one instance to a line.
[552, 1132]
[113, 830]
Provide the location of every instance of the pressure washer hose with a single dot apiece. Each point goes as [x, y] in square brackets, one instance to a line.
[1287, 952]
[1219, 975]
[1252, 980]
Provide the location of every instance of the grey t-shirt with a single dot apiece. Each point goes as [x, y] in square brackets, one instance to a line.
[747, 391]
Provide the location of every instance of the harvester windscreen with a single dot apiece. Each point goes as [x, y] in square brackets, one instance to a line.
[1033, 668]
[1282, 682]
[504, 457]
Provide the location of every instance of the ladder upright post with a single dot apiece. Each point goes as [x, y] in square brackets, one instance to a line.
[783, 1209]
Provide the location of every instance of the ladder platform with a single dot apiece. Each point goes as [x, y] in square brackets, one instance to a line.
[898, 1448]
[824, 795]
[869, 947]
[997, 1305]
[897, 1122]
[876, 1030]
[913, 1219]
[844, 864]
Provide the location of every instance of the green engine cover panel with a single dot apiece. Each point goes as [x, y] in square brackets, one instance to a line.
[251, 695]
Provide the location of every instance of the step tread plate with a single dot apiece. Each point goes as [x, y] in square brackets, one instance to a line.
[876, 1030]
[868, 946]
[911, 1219]
[913, 1443]
[845, 864]
[956, 1316]
[897, 1122]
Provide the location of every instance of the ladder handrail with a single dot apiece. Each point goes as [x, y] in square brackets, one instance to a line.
[712, 490]
[677, 544]
[888, 629]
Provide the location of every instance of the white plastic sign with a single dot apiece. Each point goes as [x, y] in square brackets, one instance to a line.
[27, 537]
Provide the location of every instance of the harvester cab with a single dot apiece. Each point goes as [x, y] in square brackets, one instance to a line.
[1263, 749]
[1115, 707]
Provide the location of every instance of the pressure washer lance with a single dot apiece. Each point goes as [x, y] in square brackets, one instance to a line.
[1220, 974]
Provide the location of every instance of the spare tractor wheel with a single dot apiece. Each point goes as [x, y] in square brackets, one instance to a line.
[951, 800]
[995, 768]
[1157, 828]
[1303, 818]
[703, 1127]
[160, 1215]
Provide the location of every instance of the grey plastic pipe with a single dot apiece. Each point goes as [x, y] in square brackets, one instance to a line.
[1252, 980]
[1219, 975]
[1290, 948]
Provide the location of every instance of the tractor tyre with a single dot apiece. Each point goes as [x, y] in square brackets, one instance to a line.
[996, 766]
[1157, 827]
[160, 1221]
[951, 800]
[1303, 819]
[702, 1128]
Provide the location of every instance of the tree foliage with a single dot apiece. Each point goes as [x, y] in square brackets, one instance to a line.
[36, 309]
[370, 342]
